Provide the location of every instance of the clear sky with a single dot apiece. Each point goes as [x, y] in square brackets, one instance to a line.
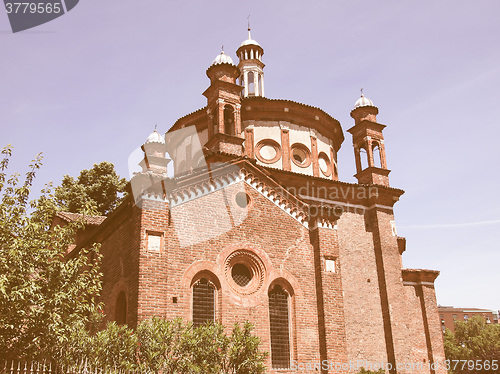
[91, 85]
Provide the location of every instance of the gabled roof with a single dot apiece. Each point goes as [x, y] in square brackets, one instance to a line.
[89, 220]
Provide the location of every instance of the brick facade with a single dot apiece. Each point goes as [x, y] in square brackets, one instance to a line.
[267, 197]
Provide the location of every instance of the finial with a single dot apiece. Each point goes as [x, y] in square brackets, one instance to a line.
[222, 49]
[249, 37]
[156, 127]
[361, 92]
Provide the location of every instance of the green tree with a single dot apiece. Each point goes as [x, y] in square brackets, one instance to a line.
[473, 340]
[49, 306]
[45, 296]
[100, 187]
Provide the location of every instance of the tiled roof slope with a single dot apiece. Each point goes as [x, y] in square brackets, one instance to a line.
[89, 220]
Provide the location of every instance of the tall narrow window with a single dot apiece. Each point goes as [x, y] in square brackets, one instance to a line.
[280, 335]
[203, 302]
[229, 120]
[376, 156]
[121, 309]
[251, 84]
[363, 158]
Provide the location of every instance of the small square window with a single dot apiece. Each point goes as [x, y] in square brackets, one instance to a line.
[466, 317]
[454, 316]
[330, 266]
[154, 242]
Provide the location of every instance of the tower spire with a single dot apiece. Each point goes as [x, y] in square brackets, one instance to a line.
[249, 36]
[251, 66]
[368, 142]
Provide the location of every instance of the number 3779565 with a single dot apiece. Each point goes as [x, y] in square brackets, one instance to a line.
[32, 8]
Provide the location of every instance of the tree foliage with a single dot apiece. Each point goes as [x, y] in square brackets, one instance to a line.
[49, 307]
[169, 347]
[474, 341]
[43, 295]
[100, 187]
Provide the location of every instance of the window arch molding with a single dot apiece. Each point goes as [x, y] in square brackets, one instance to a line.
[206, 303]
[209, 276]
[292, 287]
[282, 324]
[229, 120]
[377, 155]
[205, 298]
[195, 272]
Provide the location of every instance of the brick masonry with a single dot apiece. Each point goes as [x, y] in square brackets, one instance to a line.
[330, 245]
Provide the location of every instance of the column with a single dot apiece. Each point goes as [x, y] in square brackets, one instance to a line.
[256, 83]
[369, 152]
[357, 156]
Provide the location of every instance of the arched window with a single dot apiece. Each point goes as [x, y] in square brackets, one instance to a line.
[279, 327]
[251, 84]
[203, 302]
[363, 155]
[229, 120]
[376, 155]
[121, 309]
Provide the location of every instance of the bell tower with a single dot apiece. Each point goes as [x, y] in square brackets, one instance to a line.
[368, 143]
[224, 107]
[251, 67]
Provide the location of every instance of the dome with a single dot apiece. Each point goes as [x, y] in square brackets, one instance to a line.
[363, 101]
[249, 42]
[155, 137]
[222, 59]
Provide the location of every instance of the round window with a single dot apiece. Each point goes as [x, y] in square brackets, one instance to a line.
[242, 199]
[241, 275]
[268, 151]
[301, 155]
[244, 272]
[324, 164]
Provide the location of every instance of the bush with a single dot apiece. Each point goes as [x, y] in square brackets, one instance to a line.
[364, 371]
[166, 346]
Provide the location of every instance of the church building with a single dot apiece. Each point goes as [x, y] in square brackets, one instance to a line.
[238, 214]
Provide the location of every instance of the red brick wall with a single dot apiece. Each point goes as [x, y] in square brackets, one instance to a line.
[281, 242]
[335, 316]
[330, 300]
[362, 306]
[120, 248]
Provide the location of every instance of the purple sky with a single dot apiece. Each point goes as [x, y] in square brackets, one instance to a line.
[91, 85]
